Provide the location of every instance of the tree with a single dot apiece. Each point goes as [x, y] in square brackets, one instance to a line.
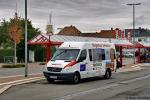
[31, 33]
[15, 31]
[7, 36]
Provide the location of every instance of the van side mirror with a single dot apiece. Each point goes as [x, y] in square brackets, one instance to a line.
[82, 56]
[80, 60]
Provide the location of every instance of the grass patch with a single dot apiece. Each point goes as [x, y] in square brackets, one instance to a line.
[13, 66]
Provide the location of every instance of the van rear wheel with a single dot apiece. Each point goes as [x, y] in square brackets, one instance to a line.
[107, 74]
[76, 78]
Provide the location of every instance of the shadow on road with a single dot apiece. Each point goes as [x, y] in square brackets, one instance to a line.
[65, 82]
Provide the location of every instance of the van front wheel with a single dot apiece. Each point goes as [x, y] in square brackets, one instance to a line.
[107, 74]
[76, 78]
[50, 80]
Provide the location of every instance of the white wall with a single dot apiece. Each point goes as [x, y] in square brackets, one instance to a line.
[31, 56]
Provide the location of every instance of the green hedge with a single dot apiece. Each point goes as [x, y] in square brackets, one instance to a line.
[13, 66]
[40, 53]
[5, 52]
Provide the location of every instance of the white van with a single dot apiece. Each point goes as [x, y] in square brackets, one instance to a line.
[78, 60]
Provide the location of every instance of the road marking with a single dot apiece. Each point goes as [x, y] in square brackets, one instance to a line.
[18, 75]
[135, 79]
[70, 96]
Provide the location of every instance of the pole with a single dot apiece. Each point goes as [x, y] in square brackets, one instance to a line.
[133, 36]
[121, 55]
[134, 60]
[15, 53]
[26, 46]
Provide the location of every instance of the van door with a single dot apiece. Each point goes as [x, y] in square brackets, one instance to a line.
[91, 69]
[82, 63]
[98, 61]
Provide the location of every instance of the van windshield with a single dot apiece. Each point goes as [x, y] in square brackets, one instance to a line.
[65, 54]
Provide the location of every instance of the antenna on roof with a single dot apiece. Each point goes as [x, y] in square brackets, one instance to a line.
[50, 18]
[16, 10]
[49, 27]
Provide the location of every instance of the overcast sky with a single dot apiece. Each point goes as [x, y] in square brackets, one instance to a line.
[86, 15]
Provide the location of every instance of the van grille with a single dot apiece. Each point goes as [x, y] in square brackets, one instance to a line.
[54, 69]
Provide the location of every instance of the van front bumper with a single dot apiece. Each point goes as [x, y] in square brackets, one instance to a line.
[58, 76]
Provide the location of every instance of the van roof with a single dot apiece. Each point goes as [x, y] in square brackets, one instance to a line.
[80, 45]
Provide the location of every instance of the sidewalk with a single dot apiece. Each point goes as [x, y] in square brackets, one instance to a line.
[132, 67]
[29, 64]
[33, 68]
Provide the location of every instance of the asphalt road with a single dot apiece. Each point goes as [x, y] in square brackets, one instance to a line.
[122, 86]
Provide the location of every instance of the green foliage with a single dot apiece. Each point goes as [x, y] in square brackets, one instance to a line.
[31, 33]
[13, 66]
[3, 32]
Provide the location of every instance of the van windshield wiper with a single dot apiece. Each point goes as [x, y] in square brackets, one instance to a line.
[67, 61]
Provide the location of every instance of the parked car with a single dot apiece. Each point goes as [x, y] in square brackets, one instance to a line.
[128, 54]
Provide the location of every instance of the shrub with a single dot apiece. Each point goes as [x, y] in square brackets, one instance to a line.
[43, 63]
[13, 66]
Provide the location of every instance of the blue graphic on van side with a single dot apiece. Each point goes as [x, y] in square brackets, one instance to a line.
[82, 67]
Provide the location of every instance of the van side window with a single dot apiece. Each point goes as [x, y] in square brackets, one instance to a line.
[83, 55]
[90, 54]
[97, 54]
[103, 54]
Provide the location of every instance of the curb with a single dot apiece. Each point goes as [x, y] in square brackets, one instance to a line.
[5, 88]
[2, 90]
[19, 75]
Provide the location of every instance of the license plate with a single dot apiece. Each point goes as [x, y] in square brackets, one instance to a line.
[54, 77]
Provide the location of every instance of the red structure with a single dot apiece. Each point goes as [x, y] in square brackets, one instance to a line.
[44, 40]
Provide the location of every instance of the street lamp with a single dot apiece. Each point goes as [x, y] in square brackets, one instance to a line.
[26, 45]
[133, 31]
[134, 4]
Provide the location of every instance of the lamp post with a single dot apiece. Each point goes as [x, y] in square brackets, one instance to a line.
[26, 45]
[133, 31]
